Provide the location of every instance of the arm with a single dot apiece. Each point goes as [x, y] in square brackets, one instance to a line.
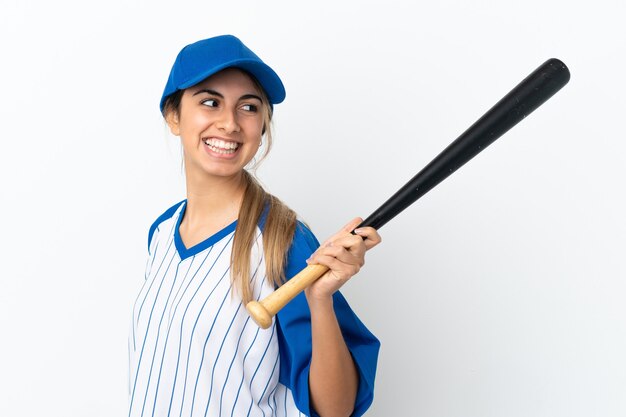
[333, 377]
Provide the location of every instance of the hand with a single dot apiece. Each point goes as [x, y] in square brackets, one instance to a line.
[344, 255]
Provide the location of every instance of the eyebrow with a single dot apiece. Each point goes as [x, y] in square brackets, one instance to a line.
[215, 93]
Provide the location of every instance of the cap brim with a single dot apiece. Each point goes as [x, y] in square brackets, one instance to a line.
[268, 79]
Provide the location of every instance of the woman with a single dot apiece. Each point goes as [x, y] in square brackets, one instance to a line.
[193, 349]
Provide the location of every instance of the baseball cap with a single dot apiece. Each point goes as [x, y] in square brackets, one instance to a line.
[199, 60]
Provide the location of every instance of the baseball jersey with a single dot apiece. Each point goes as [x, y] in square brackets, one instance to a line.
[195, 351]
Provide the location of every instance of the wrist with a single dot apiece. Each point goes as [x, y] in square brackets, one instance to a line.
[319, 301]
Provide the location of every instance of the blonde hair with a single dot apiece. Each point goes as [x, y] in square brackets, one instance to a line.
[280, 225]
[280, 220]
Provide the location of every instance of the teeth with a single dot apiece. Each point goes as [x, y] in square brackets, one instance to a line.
[221, 146]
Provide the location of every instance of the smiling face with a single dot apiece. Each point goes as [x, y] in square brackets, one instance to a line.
[220, 123]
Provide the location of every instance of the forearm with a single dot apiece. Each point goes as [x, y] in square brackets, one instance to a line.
[333, 377]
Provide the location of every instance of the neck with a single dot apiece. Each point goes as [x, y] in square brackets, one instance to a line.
[213, 199]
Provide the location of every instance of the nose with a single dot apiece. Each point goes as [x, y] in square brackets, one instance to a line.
[227, 121]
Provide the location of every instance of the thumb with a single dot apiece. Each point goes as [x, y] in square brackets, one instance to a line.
[352, 224]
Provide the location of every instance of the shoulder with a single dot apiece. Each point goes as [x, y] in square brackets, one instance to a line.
[167, 214]
[304, 237]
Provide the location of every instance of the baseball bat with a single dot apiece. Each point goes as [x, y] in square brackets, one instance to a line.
[527, 96]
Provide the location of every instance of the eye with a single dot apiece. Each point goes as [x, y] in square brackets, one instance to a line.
[210, 102]
[250, 107]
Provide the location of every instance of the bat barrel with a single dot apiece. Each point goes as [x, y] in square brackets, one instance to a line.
[527, 96]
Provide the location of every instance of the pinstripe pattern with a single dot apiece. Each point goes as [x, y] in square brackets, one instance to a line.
[193, 349]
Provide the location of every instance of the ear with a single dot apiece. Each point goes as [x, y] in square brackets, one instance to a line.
[171, 118]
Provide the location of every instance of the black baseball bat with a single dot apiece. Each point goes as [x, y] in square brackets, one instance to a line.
[527, 96]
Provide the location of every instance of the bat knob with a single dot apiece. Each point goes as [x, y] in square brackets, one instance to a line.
[259, 314]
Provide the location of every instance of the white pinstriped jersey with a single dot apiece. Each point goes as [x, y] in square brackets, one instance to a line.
[194, 351]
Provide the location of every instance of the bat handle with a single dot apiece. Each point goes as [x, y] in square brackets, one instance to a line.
[263, 311]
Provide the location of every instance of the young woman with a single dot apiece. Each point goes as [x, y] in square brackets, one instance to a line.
[194, 351]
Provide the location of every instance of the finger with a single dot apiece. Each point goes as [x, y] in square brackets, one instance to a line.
[342, 254]
[339, 269]
[352, 243]
[370, 236]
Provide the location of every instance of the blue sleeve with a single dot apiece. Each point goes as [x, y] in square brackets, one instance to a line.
[294, 335]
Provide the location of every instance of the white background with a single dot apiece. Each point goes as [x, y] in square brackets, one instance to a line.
[500, 293]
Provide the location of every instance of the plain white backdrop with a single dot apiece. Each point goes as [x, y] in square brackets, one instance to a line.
[500, 293]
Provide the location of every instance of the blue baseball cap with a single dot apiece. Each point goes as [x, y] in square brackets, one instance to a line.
[199, 60]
